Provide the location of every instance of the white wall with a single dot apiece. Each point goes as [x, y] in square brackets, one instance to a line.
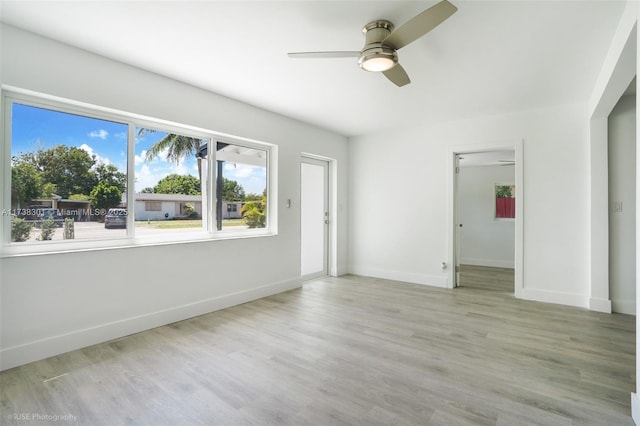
[57, 302]
[622, 206]
[618, 70]
[412, 164]
[484, 241]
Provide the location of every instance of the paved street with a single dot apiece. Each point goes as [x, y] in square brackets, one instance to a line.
[95, 230]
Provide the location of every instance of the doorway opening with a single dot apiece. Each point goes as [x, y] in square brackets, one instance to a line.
[485, 232]
[314, 217]
[621, 159]
[485, 188]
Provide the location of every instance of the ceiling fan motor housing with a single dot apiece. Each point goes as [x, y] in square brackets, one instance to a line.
[374, 52]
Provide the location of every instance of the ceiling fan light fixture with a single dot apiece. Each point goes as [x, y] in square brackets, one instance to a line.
[382, 40]
[378, 59]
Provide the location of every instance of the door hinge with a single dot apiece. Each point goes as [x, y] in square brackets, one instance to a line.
[457, 170]
[457, 268]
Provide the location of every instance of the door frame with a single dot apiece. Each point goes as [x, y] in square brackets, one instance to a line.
[452, 200]
[331, 237]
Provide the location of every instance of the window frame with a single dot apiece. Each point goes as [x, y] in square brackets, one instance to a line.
[133, 121]
[270, 189]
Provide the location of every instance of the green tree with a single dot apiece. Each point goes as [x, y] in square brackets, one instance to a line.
[48, 189]
[111, 175]
[79, 197]
[255, 213]
[253, 197]
[104, 196]
[232, 190]
[68, 168]
[26, 183]
[178, 184]
[176, 148]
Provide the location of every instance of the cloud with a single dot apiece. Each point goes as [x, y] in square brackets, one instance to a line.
[242, 171]
[101, 134]
[140, 158]
[99, 160]
[148, 175]
[252, 178]
[145, 178]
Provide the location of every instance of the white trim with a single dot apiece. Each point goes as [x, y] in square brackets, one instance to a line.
[5, 158]
[635, 408]
[332, 255]
[40, 349]
[618, 70]
[493, 263]
[556, 297]
[600, 305]
[131, 171]
[408, 277]
[627, 307]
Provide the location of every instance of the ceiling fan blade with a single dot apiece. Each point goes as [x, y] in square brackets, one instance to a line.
[397, 75]
[345, 54]
[419, 25]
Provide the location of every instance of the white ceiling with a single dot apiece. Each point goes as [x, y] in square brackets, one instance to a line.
[490, 57]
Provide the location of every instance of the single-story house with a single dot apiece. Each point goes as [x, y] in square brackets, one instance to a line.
[165, 206]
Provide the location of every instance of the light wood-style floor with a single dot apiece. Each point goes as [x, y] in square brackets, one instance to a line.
[348, 350]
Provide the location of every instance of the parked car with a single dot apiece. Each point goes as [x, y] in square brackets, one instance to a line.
[115, 218]
[38, 214]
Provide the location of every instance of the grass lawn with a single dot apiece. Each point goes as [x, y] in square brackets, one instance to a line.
[179, 224]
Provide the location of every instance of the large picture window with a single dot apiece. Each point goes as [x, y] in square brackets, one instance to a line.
[84, 175]
[67, 171]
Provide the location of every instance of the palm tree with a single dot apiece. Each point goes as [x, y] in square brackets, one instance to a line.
[177, 148]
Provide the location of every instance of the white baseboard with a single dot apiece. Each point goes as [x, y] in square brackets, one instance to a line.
[493, 263]
[556, 297]
[537, 295]
[623, 307]
[600, 305]
[409, 277]
[635, 408]
[56, 345]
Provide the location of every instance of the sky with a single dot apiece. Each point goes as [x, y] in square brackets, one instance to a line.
[37, 128]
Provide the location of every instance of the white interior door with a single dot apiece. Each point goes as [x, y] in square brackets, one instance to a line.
[314, 211]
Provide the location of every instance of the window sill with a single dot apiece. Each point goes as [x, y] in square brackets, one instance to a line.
[52, 248]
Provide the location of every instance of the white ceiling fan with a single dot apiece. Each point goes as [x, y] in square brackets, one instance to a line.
[379, 53]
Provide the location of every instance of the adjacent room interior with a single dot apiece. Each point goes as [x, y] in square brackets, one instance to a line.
[366, 212]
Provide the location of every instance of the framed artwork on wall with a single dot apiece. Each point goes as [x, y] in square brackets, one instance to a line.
[505, 201]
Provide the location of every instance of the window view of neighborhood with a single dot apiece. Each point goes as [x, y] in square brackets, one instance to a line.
[241, 176]
[69, 180]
